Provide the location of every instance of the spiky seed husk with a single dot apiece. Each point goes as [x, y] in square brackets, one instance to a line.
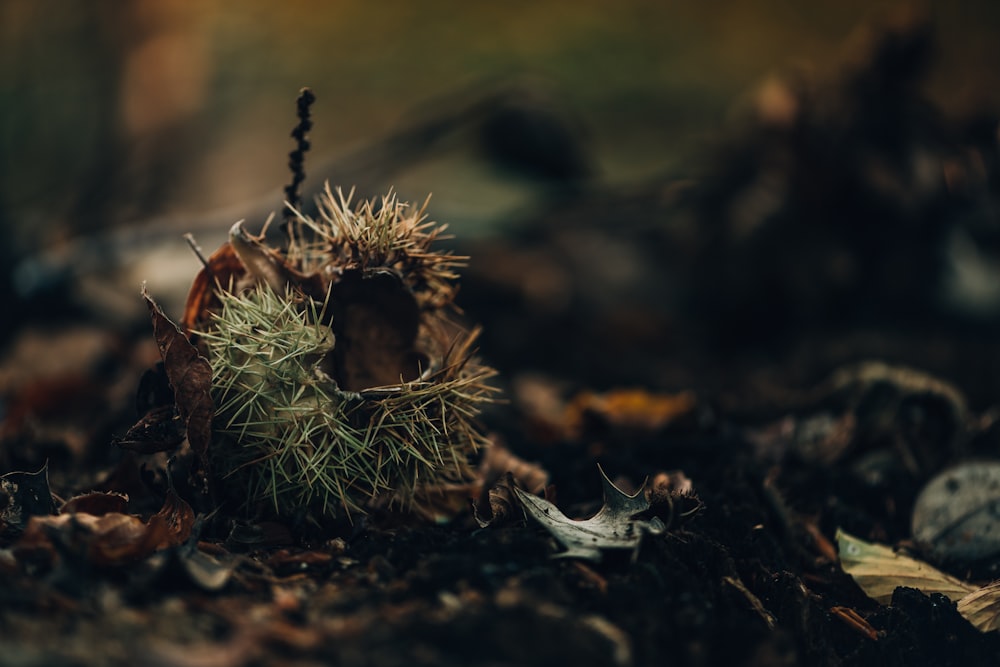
[288, 436]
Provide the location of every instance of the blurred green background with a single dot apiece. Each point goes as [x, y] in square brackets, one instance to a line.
[115, 111]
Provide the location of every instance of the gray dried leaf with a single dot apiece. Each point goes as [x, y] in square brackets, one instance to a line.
[958, 513]
[611, 528]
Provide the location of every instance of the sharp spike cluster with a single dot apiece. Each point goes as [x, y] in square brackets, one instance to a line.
[287, 437]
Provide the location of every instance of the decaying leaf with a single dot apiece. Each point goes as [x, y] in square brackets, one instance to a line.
[879, 571]
[611, 528]
[628, 408]
[159, 430]
[982, 607]
[190, 377]
[113, 538]
[500, 501]
[956, 513]
[96, 502]
[500, 470]
[24, 495]
[223, 267]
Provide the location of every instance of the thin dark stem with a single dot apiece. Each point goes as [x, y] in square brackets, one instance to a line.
[296, 159]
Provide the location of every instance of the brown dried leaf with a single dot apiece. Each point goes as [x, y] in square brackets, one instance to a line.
[178, 518]
[190, 376]
[113, 538]
[223, 267]
[97, 503]
[628, 408]
[160, 430]
[502, 502]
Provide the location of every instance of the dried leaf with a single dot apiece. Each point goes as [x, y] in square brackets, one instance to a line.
[190, 376]
[956, 513]
[628, 408]
[113, 538]
[611, 528]
[24, 495]
[178, 518]
[982, 607]
[160, 430]
[223, 268]
[97, 503]
[499, 500]
[879, 571]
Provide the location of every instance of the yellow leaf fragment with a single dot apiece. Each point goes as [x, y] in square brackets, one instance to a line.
[879, 570]
[982, 607]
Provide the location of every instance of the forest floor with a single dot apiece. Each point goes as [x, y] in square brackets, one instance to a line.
[782, 349]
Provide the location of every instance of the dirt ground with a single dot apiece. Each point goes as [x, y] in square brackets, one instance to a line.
[792, 344]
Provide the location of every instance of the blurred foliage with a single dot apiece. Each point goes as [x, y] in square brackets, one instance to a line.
[112, 110]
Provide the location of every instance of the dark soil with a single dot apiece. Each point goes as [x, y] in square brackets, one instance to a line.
[807, 245]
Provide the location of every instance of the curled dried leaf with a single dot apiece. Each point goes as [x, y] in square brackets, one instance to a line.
[613, 527]
[97, 503]
[159, 430]
[190, 376]
[223, 267]
[500, 500]
[112, 538]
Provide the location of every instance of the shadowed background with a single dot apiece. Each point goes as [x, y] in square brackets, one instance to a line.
[565, 129]
[115, 112]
